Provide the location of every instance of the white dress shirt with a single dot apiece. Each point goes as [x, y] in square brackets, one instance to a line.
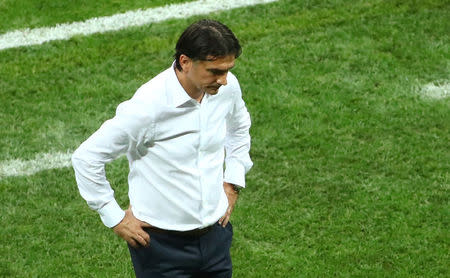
[176, 148]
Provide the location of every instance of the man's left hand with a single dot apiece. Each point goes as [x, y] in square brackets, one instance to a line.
[232, 196]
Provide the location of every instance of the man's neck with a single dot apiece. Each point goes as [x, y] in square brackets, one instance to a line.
[188, 87]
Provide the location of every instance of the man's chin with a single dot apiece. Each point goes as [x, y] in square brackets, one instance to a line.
[212, 91]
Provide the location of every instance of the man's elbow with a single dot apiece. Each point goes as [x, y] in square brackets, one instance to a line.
[77, 158]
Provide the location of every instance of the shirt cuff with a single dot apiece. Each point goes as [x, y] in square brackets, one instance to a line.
[235, 173]
[111, 214]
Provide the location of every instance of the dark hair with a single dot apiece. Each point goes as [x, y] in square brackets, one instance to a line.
[206, 38]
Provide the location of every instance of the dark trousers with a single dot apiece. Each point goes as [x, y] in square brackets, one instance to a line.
[177, 256]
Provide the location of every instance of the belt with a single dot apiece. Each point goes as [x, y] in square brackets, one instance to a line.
[190, 233]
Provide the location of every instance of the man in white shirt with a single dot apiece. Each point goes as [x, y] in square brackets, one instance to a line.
[177, 131]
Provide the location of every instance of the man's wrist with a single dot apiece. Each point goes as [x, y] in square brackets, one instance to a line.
[236, 188]
[111, 214]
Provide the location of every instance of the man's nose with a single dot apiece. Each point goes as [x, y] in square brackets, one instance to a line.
[222, 80]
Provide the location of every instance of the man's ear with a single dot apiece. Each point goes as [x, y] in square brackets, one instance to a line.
[185, 63]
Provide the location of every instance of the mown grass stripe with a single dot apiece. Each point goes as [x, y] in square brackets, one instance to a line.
[43, 161]
[119, 21]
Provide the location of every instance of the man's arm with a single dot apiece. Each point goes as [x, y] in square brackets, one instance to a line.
[237, 142]
[237, 148]
[89, 162]
[115, 137]
[232, 195]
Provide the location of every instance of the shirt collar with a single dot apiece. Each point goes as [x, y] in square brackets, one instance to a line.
[179, 95]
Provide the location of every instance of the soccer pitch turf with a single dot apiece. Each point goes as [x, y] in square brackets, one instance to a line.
[350, 136]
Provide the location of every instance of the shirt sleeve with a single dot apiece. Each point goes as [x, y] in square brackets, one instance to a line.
[115, 137]
[237, 142]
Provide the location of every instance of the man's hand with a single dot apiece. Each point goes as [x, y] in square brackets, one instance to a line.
[232, 196]
[131, 230]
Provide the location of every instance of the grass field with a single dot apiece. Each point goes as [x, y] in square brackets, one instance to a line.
[352, 162]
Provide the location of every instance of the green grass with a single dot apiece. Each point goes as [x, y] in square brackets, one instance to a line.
[351, 175]
[19, 14]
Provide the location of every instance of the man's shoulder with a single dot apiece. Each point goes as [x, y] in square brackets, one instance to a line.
[232, 79]
[153, 91]
[134, 110]
[232, 88]
[231, 76]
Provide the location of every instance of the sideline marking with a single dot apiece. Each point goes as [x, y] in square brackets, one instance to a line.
[43, 161]
[439, 90]
[120, 21]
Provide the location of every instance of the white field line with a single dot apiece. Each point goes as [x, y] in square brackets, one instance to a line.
[43, 161]
[120, 21]
[440, 90]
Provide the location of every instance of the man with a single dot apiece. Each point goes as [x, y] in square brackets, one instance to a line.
[177, 131]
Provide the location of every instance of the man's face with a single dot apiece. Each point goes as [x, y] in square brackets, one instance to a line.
[208, 76]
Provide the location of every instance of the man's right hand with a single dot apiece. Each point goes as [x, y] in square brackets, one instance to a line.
[131, 230]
